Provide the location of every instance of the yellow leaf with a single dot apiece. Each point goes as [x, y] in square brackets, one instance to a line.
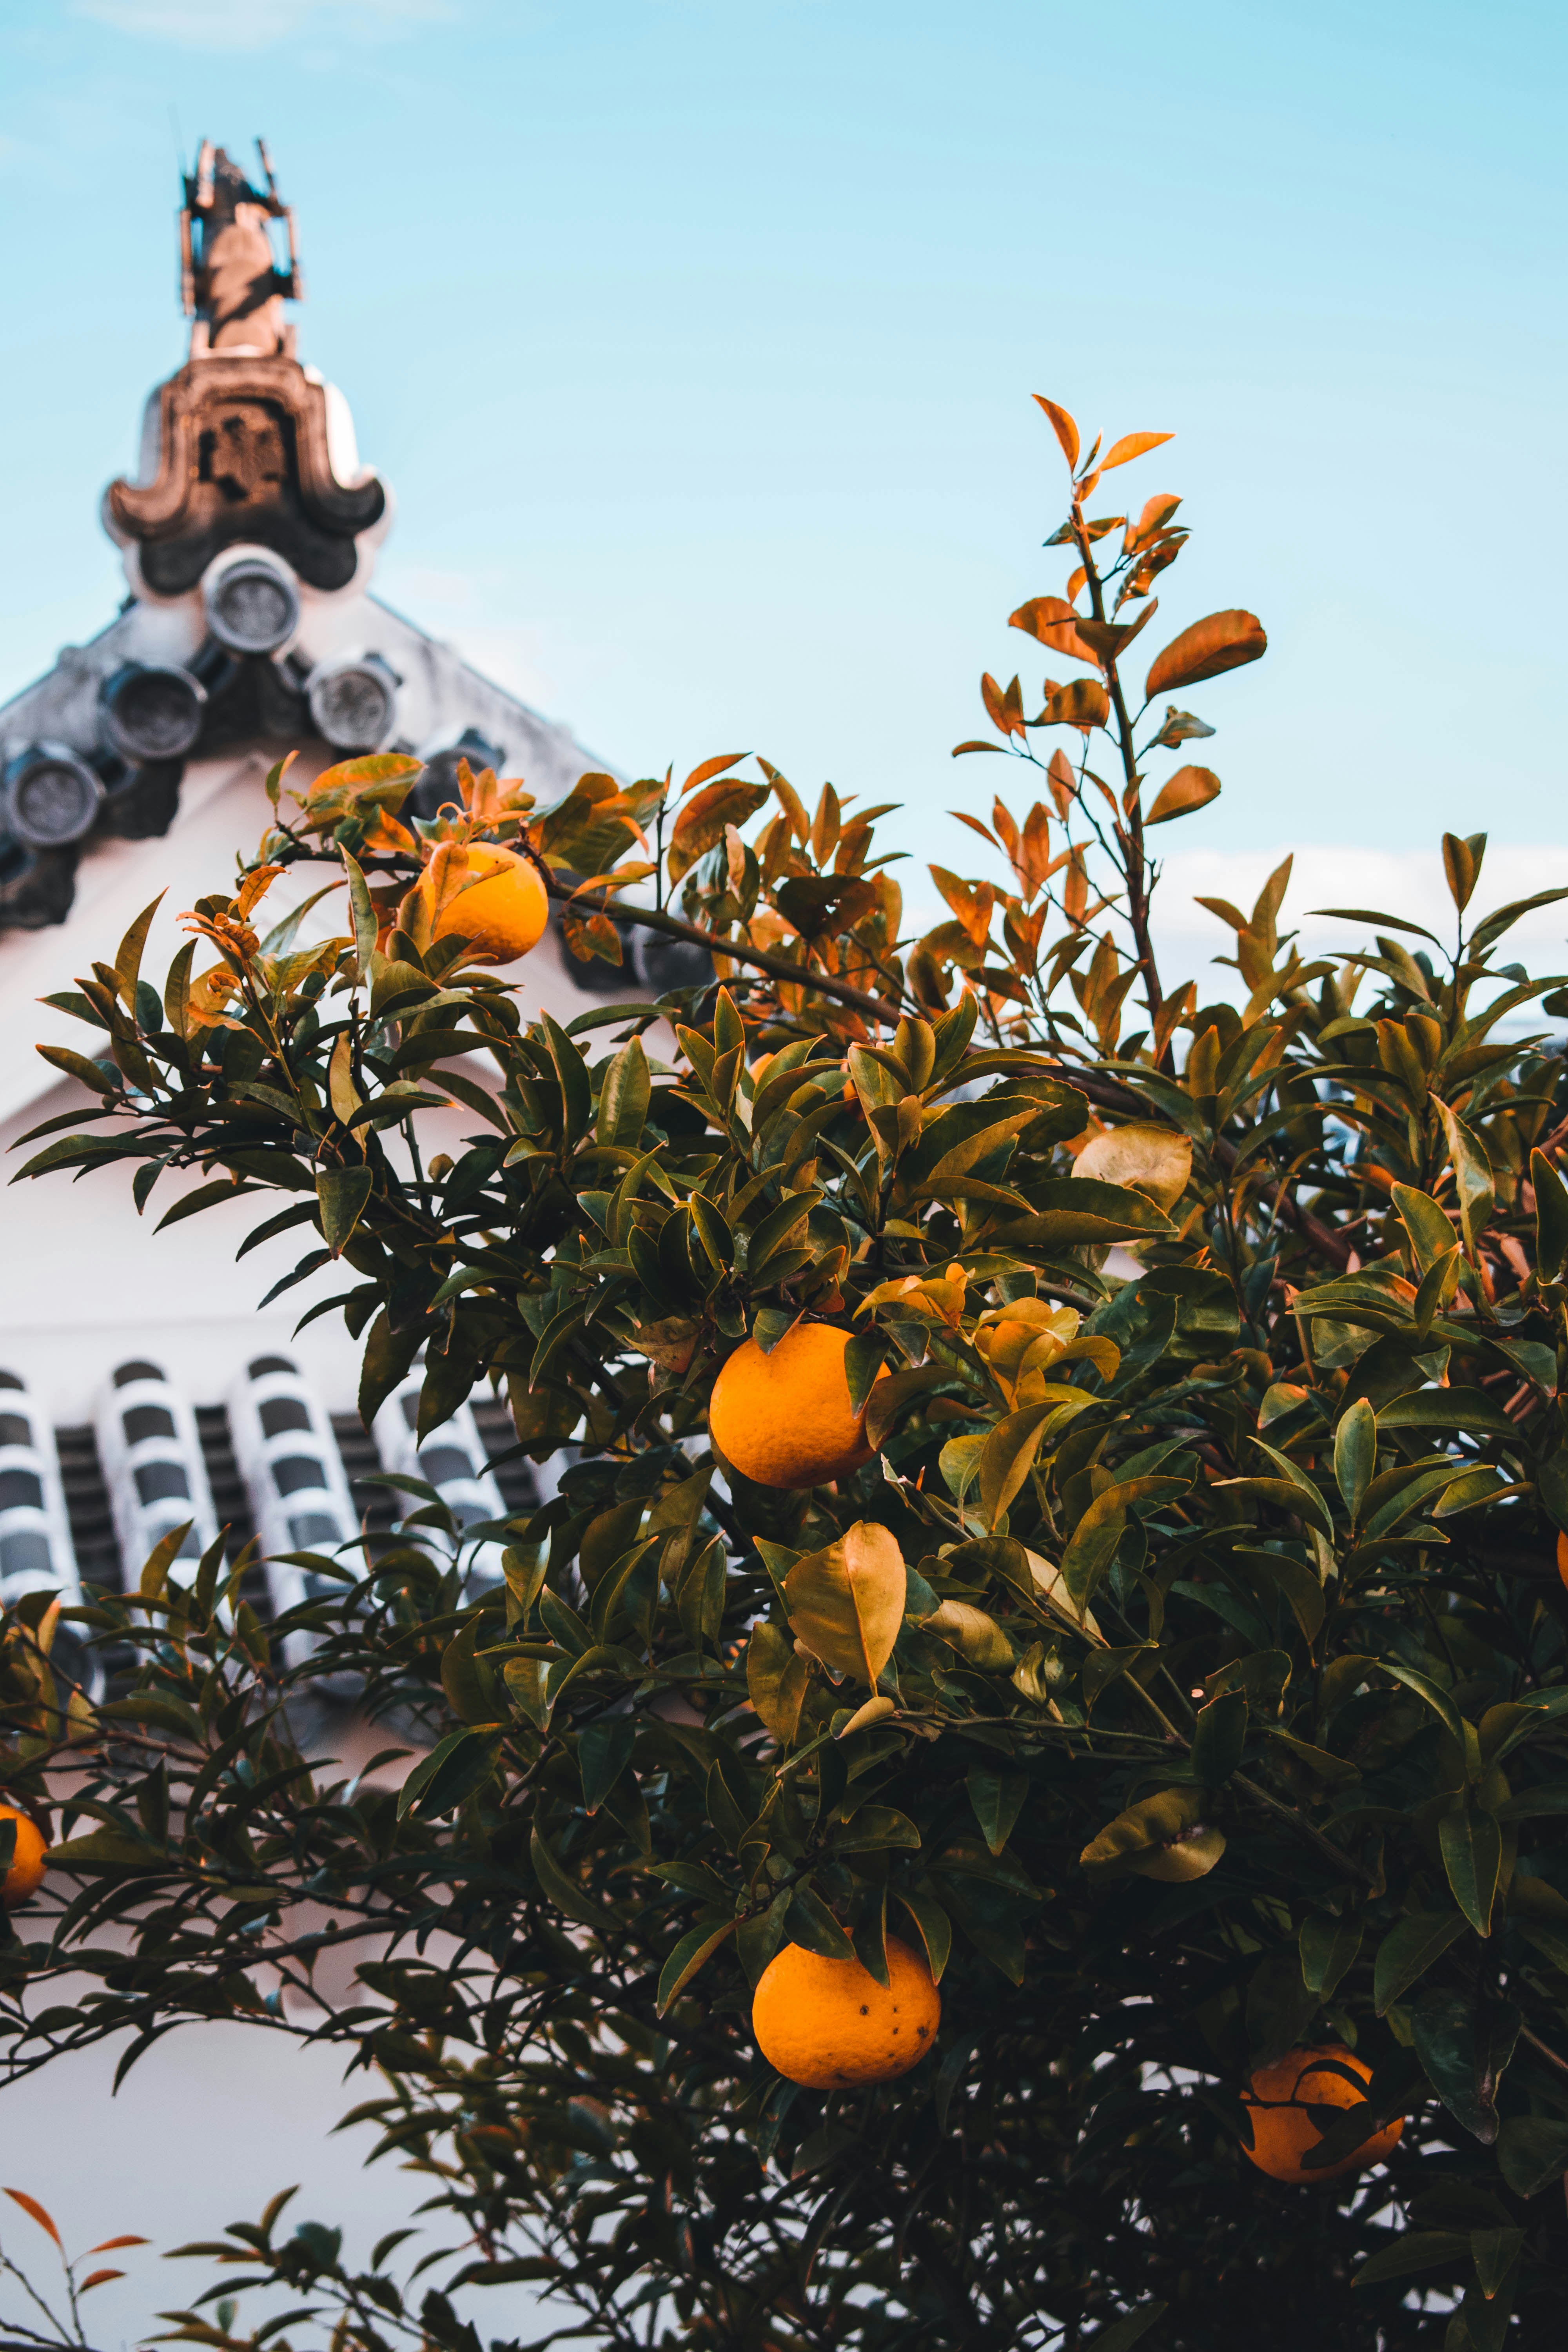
[975, 1635]
[1154, 1160]
[1164, 1837]
[776, 1677]
[876, 1710]
[255, 886]
[346, 1097]
[1050, 1585]
[846, 1605]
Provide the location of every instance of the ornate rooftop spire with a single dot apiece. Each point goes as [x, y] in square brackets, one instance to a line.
[230, 284]
[245, 448]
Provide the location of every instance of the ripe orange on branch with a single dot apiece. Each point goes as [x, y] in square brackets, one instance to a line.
[493, 896]
[784, 1419]
[1285, 2131]
[28, 1860]
[828, 2024]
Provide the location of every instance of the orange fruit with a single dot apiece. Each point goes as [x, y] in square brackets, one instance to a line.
[1281, 2098]
[25, 1874]
[830, 2025]
[783, 1420]
[501, 914]
[1563, 1558]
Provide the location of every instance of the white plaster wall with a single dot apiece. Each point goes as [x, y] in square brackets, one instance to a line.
[86, 1281]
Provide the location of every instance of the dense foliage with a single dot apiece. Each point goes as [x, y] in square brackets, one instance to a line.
[1222, 1706]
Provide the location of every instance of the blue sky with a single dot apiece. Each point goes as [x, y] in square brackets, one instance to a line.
[698, 341]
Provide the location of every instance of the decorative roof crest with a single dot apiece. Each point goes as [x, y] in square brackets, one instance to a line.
[231, 287]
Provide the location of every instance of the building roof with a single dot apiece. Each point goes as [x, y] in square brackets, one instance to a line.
[135, 767]
[249, 534]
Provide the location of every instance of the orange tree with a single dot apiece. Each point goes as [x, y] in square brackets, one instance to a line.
[1168, 1657]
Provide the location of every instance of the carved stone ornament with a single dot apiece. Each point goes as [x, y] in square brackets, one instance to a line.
[243, 458]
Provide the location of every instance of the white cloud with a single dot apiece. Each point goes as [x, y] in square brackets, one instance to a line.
[257, 23]
[1407, 884]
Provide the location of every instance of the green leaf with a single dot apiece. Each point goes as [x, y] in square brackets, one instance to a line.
[1531, 2152]
[1472, 1842]
[1464, 2046]
[343, 1194]
[1355, 1456]
[604, 1751]
[1307, 1498]
[1007, 1454]
[1330, 1769]
[959, 1461]
[77, 1066]
[1329, 1948]
[1472, 1174]
[1417, 2249]
[997, 1800]
[863, 1360]
[389, 1356]
[1218, 1739]
[1093, 1542]
[1072, 1210]
[1535, 1804]
[1441, 1705]
[688, 1957]
[564, 1892]
[1407, 1952]
[1494, 2254]
[1471, 1410]
[363, 913]
[1502, 918]
[776, 1680]
[160, 1559]
[127, 957]
[759, 1938]
[463, 1763]
[1551, 1218]
[572, 1071]
[1299, 1584]
[1103, 1667]
[624, 1094]
[205, 1196]
[113, 1848]
[1429, 1227]
[934, 1927]
[810, 1923]
[873, 1828]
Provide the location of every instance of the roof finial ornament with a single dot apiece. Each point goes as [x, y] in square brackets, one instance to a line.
[230, 285]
